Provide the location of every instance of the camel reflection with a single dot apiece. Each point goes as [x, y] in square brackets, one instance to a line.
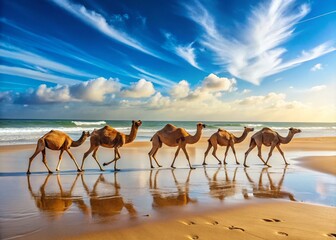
[55, 203]
[270, 190]
[106, 206]
[222, 189]
[163, 199]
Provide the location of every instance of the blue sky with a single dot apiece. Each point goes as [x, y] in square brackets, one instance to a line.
[172, 60]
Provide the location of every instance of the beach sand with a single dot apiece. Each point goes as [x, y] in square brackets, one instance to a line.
[266, 219]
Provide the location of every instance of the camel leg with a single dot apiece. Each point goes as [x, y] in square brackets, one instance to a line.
[187, 156]
[152, 153]
[214, 153]
[176, 153]
[260, 155]
[282, 154]
[118, 157]
[59, 160]
[94, 155]
[269, 155]
[234, 153]
[206, 152]
[73, 159]
[154, 156]
[252, 145]
[44, 160]
[87, 154]
[225, 154]
[39, 148]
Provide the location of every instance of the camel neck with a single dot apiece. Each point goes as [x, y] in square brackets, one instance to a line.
[285, 140]
[195, 138]
[241, 138]
[132, 135]
[79, 141]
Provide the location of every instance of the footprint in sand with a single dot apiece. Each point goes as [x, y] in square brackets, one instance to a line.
[188, 223]
[271, 220]
[333, 235]
[282, 233]
[236, 228]
[194, 237]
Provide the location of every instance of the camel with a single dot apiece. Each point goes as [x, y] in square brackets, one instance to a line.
[225, 138]
[56, 203]
[172, 137]
[222, 189]
[57, 140]
[163, 199]
[110, 138]
[268, 190]
[104, 206]
[269, 137]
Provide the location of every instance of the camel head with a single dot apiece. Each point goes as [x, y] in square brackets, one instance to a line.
[137, 124]
[86, 134]
[248, 129]
[201, 125]
[294, 130]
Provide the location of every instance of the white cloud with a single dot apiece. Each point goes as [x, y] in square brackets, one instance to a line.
[95, 90]
[316, 67]
[180, 90]
[140, 89]
[214, 83]
[318, 88]
[158, 101]
[257, 50]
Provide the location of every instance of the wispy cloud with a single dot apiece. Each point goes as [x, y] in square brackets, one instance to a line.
[186, 52]
[38, 62]
[257, 50]
[153, 77]
[38, 75]
[98, 22]
[316, 67]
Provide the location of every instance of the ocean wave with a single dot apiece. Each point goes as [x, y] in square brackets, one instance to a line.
[82, 123]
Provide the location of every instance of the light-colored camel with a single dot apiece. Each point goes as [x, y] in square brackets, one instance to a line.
[269, 138]
[57, 140]
[225, 138]
[110, 138]
[172, 137]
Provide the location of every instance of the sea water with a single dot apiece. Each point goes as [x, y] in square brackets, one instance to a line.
[27, 131]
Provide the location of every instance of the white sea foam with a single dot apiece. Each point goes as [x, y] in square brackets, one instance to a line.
[86, 123]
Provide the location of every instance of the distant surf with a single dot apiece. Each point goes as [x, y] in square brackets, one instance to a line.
[82, 123]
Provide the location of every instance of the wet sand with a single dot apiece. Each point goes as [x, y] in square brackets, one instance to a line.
[138, 203]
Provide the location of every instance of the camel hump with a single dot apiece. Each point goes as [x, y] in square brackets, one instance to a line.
[169, 127]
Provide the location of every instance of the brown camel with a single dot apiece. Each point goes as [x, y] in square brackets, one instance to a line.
[269, 138]
[225, 138]
[56, 203]
[172, 137]
[110, 138]
[57, 140]
[162, 199]
[222, 189]
[106, 206]
[269, 190]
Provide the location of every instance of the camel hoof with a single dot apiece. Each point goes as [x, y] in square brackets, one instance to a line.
[57, 170]
[152, 167]
[268, 165]
[237, 163]
[204, 163]
[225, 163]
[287, 163]
[28, 172]
[78, 170]
[159, 166]
[192, 168]
[220, 163]
[50, 172]
[246, 165]
[117, 169]
[102, 170]
[173, 167]
[104, 164]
